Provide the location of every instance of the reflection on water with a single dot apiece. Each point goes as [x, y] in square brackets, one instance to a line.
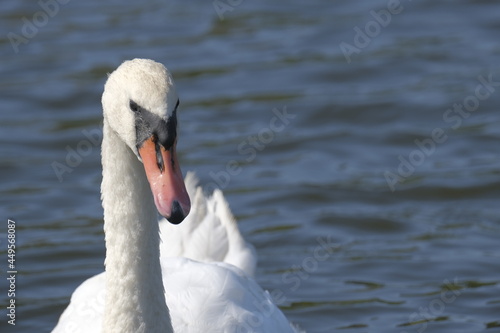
[373, 209]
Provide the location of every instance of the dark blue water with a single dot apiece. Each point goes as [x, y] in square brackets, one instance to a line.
[373, 200]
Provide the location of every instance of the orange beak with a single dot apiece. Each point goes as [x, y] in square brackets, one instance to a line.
[166, 181]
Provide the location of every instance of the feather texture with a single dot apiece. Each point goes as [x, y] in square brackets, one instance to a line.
[209, 233]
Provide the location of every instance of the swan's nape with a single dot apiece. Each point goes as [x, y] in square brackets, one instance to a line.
[141, 93]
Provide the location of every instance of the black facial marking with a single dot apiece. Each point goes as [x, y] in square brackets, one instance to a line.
[148, 124]
[159, 157]
[133, 106]
[172, 161]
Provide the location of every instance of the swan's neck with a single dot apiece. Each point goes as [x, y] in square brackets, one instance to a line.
[135, 300]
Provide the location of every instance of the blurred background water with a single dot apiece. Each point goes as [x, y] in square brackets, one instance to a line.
[373, 206]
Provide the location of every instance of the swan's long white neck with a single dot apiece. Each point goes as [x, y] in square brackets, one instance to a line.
[135, 300]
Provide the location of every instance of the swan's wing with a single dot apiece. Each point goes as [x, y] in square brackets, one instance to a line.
[85, 310]
[218, 297]
[209, 233]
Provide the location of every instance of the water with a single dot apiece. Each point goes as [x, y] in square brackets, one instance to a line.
[373, 208]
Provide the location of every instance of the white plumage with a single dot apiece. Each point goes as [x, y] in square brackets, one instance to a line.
[201, 297]
[209, 233]
[202, 282]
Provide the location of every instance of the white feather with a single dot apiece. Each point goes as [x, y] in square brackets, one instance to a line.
[209, 233]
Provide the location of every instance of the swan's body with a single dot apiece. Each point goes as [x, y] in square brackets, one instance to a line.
[202, 298]
[141, 291]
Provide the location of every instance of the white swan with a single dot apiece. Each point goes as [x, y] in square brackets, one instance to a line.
[141, 176]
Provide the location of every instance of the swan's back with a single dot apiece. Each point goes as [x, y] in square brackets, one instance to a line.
[215, 297]
[209, 233]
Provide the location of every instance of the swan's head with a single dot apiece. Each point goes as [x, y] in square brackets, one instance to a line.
[140, 104]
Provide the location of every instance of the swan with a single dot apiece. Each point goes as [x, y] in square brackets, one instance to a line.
[141, 291]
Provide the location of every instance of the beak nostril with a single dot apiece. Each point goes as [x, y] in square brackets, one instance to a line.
[176, 214]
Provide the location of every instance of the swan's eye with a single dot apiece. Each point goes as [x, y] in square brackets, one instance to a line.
[133, 106]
